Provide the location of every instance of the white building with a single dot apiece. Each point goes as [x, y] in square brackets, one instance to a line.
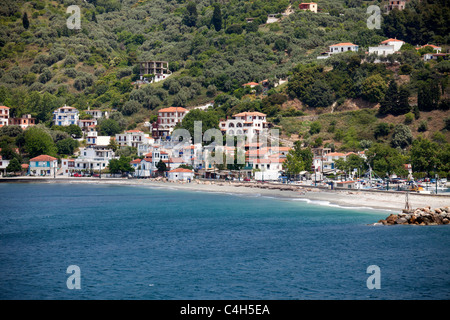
[180, 174]
[267, 169]
[4, 116]
[43, 165]
[97, 114]
[249, 124]
[3, 165]
[93, 159]
[65, 116]
[131, 138]
[339, 48]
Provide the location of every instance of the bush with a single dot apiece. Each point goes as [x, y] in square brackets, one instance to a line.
[409, 117]
[314, 128]
[423, 126]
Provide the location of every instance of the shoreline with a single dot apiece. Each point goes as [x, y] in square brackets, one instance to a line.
[353, 199]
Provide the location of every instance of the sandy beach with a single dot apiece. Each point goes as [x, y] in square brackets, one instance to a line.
[392, 201]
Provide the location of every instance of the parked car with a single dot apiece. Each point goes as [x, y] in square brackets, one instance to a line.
[77, 175]
[96, 175]
[246, 179]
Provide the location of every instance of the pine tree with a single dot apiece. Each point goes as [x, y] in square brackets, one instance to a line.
[190, 17]
[216, 19]
[25, 21]
[388, 103]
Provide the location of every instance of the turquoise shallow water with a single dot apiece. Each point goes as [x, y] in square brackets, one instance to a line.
[146, 243]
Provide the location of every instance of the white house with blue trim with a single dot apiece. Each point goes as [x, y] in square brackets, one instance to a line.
[43, 165]
[65, 116]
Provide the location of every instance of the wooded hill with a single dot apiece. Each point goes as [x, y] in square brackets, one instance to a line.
[213, 50]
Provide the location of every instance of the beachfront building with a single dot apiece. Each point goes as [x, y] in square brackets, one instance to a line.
[93, 159]
[67, 166]
[24, 122]
[3, 164]
[65, 116]
[308, 6]
[167, 120]
[248, 124]
[180, 174]
[267, 169]
[43, 165]
[4, 116]
[131, 138]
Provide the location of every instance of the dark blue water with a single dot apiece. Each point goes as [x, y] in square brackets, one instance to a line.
[141, 243]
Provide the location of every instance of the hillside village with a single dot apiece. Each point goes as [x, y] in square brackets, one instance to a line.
[391, 122]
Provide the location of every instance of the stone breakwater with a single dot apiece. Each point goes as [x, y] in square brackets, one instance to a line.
[421, 216]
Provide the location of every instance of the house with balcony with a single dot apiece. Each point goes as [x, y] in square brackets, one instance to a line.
[43, 165]
[248, 124]
[131, 138]
[65, 116]
[24, 122]
[167, 120]
[93, 159]
[395, 4]
[159, 70]
[3, 164]
[4, 116]
[386, 47]
[308, 6]
[97, 114]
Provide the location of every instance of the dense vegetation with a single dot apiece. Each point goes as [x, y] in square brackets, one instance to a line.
[212, 51]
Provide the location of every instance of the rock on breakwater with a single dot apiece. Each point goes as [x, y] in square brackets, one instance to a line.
[421, 216]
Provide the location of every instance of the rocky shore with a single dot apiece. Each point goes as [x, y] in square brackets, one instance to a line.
[421, 216]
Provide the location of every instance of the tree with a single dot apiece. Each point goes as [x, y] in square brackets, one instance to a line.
[381, 130]
[74, 131]
[25, 21]
[402, 136]
[190, 16]
[319, 95]
[14, 166]
[395, 101]
[384, 159]
[109, 127]
[428, 96]
[161, 166]
[121, 165]
[298, 159]
[374, 88]
[66, 146]
[216, 19]
[38, 142]
[424, 155]
[209, 119]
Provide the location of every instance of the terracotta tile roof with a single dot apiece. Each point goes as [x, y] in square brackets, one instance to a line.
[43, 157]
[181, 170]
[3, 107]
[254, 113]
[391, 40]
[173, 109]
[343, 44]
[136, 161]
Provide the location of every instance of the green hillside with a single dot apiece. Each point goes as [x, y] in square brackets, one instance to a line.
[213, 50]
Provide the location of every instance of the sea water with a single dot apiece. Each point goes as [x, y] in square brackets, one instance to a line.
[131, 242]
